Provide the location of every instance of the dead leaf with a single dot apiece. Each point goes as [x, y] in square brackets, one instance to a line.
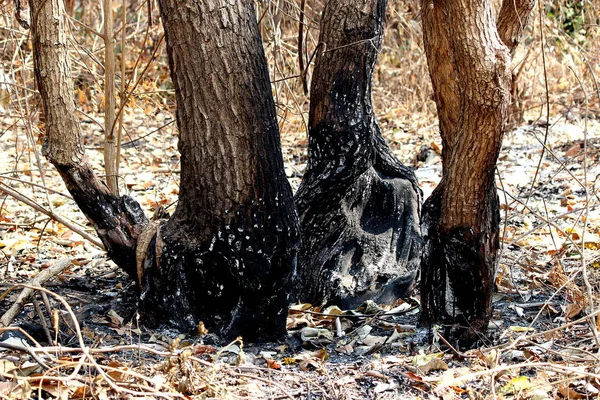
[202, 329]
[344, 380]
[203, 349]
[322, 354]
[383, 387]
[569, 393]
[115, 319]
[520, 329]
[573, 151]
[273, 364]
[117, 371]
[426, 363]
[516, 385]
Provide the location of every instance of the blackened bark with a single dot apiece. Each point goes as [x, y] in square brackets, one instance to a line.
[469, 67]
[227, 254]
[457, 270]
[117, 220]
[358, 205]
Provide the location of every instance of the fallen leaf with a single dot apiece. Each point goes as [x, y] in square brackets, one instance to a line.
[516, 328]
[573, 151]
[273, 364]
[344, 380]
[383, 387]
[516, 385]
[426, 363]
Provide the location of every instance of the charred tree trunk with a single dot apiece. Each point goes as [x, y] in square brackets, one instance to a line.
[358, 205]
[117, 220]
[226, 255]
[470, 70]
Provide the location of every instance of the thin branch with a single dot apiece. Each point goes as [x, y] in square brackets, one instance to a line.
[18, 196]
[512, 19]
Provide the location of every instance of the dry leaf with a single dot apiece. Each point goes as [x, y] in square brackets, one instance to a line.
[426, 363]
[573, 151]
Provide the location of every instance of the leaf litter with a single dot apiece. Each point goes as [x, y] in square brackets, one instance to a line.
[541, 342]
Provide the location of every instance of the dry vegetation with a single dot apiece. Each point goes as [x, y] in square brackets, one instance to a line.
[545, 341]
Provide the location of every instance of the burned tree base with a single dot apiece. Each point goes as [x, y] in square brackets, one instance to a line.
[232, 289]
[360, 241]
[457, 272]
[358, 205]
[117, 220]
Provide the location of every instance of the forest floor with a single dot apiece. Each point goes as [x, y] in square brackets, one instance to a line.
[86, 341]
[541, 342]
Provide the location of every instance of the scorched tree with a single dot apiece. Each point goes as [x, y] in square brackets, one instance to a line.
[469, 58]
[226, 255]
[358, 205]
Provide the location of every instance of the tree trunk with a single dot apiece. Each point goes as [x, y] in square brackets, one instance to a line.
[117, 220]
[470, 70]
[358, 205]
[227, 254]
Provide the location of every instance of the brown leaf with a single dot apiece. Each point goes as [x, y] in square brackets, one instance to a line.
[204, 349]
[573, 151]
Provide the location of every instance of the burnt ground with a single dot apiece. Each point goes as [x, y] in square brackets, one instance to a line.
[540, 343]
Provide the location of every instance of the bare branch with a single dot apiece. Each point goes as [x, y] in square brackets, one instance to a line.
[26, 293]
[512, 20]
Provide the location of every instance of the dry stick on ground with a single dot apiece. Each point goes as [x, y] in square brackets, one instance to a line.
[39, 280]
[18, 196]
[38, 310]
[88, 355]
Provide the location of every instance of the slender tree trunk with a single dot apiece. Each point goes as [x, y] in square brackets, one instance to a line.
[110, 140]
[470, 70]
[358, 205]
[234, 233]
[117, 220]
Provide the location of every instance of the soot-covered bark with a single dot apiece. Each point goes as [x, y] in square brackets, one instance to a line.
[117, 220]
[358, 205]
[469, 59]
[226, 255]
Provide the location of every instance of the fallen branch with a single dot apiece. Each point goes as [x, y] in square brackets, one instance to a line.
[18, 196]
[26, 293]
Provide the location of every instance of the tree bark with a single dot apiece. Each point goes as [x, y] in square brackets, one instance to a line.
[470, 70]
[117, 220]
[226, 255]
[110, 140]
[358, 205]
